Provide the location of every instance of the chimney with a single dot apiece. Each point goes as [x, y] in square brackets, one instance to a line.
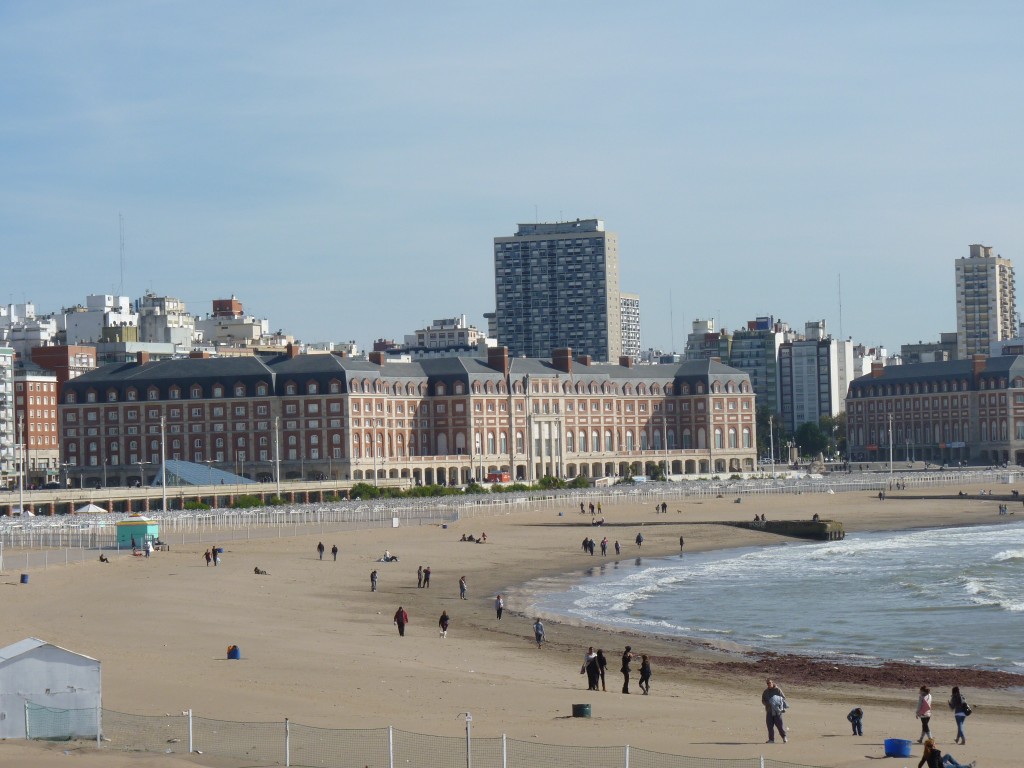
[497, 358]
[143, 358]
[377, 357]
[626, 361]
[291, 350]
[562, 359]
[583, 360]
[199, 354]
[338, 353]
[877, 368]
[978, 365]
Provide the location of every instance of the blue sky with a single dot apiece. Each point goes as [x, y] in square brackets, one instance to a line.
[342, 168]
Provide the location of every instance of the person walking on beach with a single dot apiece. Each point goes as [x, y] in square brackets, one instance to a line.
[419, 577]
[208, 558]
[499, 606]
[681, 543]
[961, 709]
[924, 712]
[590, 668]
[538, 631]
[618, 549]
[334, 552]
[602, 665]
[216, 555]
[401, 619]
[373, 581]
[627, 657]
[645, 674]
[774, 702]
[442, 624]
[639, 539]
[426, 577]
[462, 588]
[320, 550]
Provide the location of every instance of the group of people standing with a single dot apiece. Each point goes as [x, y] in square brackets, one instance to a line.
[932, 757]
[595, 664]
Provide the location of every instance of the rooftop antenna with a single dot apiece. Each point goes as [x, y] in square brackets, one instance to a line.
[671, 321]
[840, 282]
[120, 219]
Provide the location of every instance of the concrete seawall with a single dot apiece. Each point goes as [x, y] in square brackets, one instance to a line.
[821, 530]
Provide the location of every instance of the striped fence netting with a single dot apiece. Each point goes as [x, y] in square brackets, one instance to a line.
[291, 744]
[146, 733]
[61, 724]
[259, 743]
[350, 748]
[644, 758]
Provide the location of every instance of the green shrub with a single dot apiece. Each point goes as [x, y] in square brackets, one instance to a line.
[197, 505]
[246, 502]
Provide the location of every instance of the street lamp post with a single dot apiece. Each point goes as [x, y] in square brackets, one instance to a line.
[771, 441]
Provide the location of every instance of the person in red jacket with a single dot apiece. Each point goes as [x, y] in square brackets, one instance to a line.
[401, 619]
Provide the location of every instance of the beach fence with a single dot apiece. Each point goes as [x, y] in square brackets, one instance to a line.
[32, 543]
[291, 744]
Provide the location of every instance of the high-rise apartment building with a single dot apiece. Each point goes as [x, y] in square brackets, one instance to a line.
[755, 351]
[629, 310]
[705, 343]
[986, 301]
[557, 285]
[814, 375]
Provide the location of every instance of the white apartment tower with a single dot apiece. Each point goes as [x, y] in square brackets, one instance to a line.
[629, 309]
[557, 286]
[986, 301]
[814, 375]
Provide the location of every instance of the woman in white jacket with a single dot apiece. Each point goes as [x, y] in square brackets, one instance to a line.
[924, 712]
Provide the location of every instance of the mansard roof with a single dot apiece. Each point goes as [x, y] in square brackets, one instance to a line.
[324, 369]
[1006, 367]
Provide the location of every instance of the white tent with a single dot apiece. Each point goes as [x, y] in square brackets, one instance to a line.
[90, 509]
[47, 675]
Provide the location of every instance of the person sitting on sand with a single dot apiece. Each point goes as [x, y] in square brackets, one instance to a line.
[104, 559]
[260, 572]
[463, 537]
[933, 758]
[483, 538]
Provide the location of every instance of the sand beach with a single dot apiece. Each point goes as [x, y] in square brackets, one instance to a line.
[320, 648]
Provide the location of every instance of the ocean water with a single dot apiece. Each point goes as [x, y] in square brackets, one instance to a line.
[947, 597]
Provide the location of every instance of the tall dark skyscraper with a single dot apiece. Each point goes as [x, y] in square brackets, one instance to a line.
[557, 285]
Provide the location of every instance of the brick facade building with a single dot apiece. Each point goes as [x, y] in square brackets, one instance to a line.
[443, 420]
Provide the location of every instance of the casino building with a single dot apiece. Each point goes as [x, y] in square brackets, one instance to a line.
[440, 420]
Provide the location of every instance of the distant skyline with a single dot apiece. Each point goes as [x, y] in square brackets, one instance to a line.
[343, 169]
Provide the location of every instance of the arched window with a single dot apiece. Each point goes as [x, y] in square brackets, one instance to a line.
[629, 440]
[442, 444]
[747, 443]
[609, 444]
[570, 442]
[732, 438]
[718, 437]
